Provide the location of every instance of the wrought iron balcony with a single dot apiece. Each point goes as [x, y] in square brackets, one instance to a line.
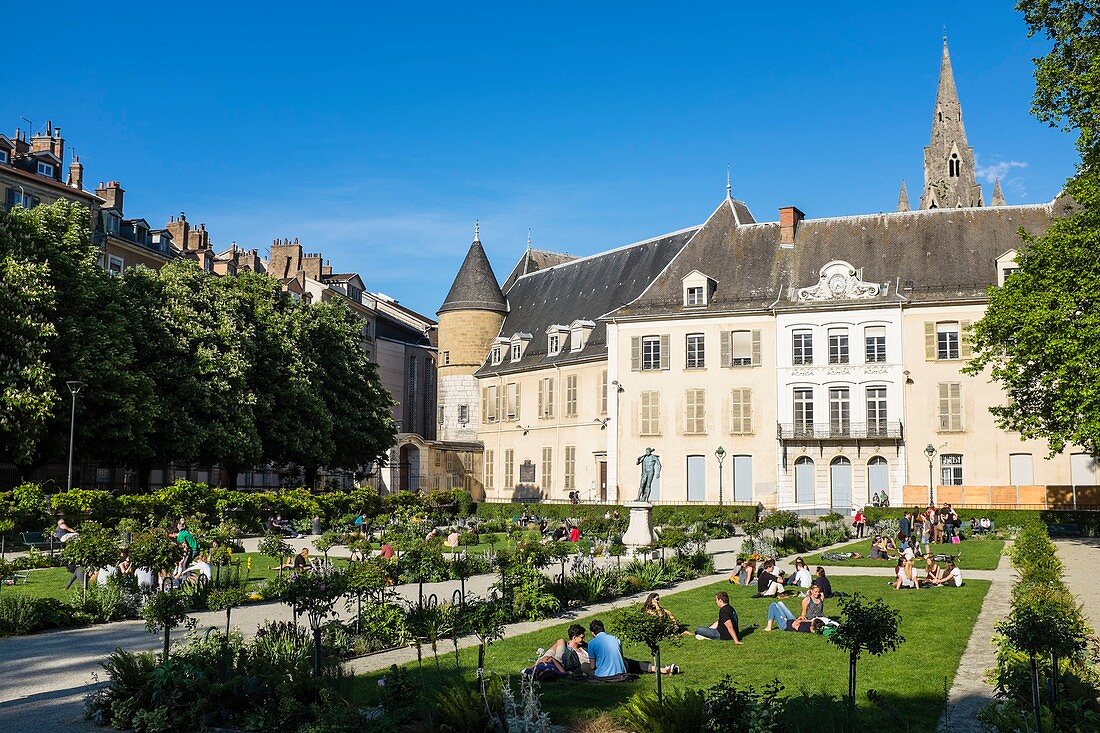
[840, 431]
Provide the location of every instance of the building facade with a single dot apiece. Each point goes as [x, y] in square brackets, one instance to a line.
[803, 364]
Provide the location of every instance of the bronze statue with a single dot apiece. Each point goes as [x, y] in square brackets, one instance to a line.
[651, 469]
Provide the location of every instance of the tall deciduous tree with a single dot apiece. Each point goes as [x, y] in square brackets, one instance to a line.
[1040, 336]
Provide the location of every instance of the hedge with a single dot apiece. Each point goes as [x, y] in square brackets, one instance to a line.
[1089, 522]
[663, 514]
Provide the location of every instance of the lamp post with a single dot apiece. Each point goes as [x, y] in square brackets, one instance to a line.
[74, 387]
[720, 454]
[930, 453]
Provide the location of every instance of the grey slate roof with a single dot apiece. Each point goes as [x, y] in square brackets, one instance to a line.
[581, 289]
[534, 260]
[475, 286]
[939, 255]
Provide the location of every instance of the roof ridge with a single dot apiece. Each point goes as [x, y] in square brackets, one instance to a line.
[608, 252]
[915, 212]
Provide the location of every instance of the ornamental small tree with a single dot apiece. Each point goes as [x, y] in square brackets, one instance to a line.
[276, 548]
[154, 550]
[364, 578]
[315, 595]
[868, 626]
[634, 624]
[165, 611]
[226, 599]
[93, 548]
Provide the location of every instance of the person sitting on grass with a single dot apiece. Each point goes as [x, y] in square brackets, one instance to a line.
[725, 628]
[813, 608]
[951, 577]
[744, 572]
[823, 583]
[881, 547]
[801, 578]
[606, 654]
[768, 582]
[299, 562]
[932, 571]
[906, 576]
[653, 607]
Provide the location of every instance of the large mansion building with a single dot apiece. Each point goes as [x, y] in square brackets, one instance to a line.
[823, 356]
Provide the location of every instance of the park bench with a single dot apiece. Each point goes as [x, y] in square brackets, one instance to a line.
[1064, 530]
[38, 540]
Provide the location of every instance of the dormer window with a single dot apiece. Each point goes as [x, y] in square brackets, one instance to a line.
[112, 223]
[697, 289]
[3, 156]
[519, 345]
[496, 355]
[555, 339]
[1006, 265]
[45, 169]
[579, 331]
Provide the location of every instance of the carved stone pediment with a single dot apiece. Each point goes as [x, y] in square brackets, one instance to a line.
[839, 281]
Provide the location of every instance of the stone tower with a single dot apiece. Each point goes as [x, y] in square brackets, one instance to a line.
[948, 161]
[469, 319]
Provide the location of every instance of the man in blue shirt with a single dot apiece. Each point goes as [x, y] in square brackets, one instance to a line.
[605, 651]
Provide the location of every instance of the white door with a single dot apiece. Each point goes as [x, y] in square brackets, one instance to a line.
[878, 477]
[1082, 470]
[696, 478]
[804, 480]
[742, 478]
[840, 484]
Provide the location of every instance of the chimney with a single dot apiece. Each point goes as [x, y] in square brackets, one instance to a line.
[179, 229]
[112, 195]
[311, 266]
[20, 141]
[789, 218]
[327, 269]
[76, 174]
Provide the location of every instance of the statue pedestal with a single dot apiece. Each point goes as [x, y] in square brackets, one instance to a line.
[639, 533]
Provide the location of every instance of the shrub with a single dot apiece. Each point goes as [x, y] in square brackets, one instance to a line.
[23, 614]
[681, 711]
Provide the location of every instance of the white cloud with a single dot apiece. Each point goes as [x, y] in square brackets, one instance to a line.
[990, 173]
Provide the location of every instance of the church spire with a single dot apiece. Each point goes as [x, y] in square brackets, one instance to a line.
[948, 159]
[998, 194]
[903, 198]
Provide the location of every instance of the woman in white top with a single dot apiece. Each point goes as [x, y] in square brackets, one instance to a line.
[953, 577]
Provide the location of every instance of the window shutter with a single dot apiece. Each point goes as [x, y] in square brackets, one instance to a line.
[499, 407]
[955, 393]
[965, 350]
[550, 397]
[746, 410]
[484, 401]
[726, 349]
[756, 348]
[929, 341]
[664, 352]
[517, 400]
[635, 353]
[542, 397]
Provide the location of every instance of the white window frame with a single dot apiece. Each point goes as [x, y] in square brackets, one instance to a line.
[651, 353]
[839, 347]
[877, 407]
[45, 169]
[948, 349]
[695, 295]
[840, 410]
[517, 351]
[951, 472]
[695, 351]
[4, 156]
[802, 347]
[874, 344]
[112, 260]
[803, 401]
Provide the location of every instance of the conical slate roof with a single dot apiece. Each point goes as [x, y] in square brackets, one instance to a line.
[475, 287]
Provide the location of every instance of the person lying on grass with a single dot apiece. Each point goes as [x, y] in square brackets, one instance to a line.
[813, 608]
[725, 628]
[606, 654]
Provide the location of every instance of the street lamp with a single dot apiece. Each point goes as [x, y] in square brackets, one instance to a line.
[74, 387]
[930, 453]
[720, 454]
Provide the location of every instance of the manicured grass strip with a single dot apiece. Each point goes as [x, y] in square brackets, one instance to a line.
[936, 623]
[972, 555]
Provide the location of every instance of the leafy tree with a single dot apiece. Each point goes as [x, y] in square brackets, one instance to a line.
[275, 547]
[1040, 335]
[226, 599]
[651, 629]
[94, 547]
[154, 550]
[868, 626]
[164, 611]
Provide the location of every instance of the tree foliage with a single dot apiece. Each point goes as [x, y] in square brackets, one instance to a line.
[178, 365]
[1040, 335]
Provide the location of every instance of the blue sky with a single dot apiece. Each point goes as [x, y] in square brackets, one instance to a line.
[377, 133]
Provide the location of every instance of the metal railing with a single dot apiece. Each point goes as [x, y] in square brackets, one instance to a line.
[844, 430]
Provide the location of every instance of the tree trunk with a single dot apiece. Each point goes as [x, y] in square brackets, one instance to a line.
[310, 477]
[481, 670]
[358, 613]
[231, 472]
[1035, 703]
[228, 611]
[657, 671]
[1053, 681]
[167, 640]
[317, 652]
[852, 685]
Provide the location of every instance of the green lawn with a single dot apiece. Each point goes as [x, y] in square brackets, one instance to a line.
[971, 554]
[50, 582]
[936, 624]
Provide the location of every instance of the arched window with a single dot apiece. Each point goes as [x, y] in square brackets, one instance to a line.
[878, 475]
[804, 480]
[953, 166]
